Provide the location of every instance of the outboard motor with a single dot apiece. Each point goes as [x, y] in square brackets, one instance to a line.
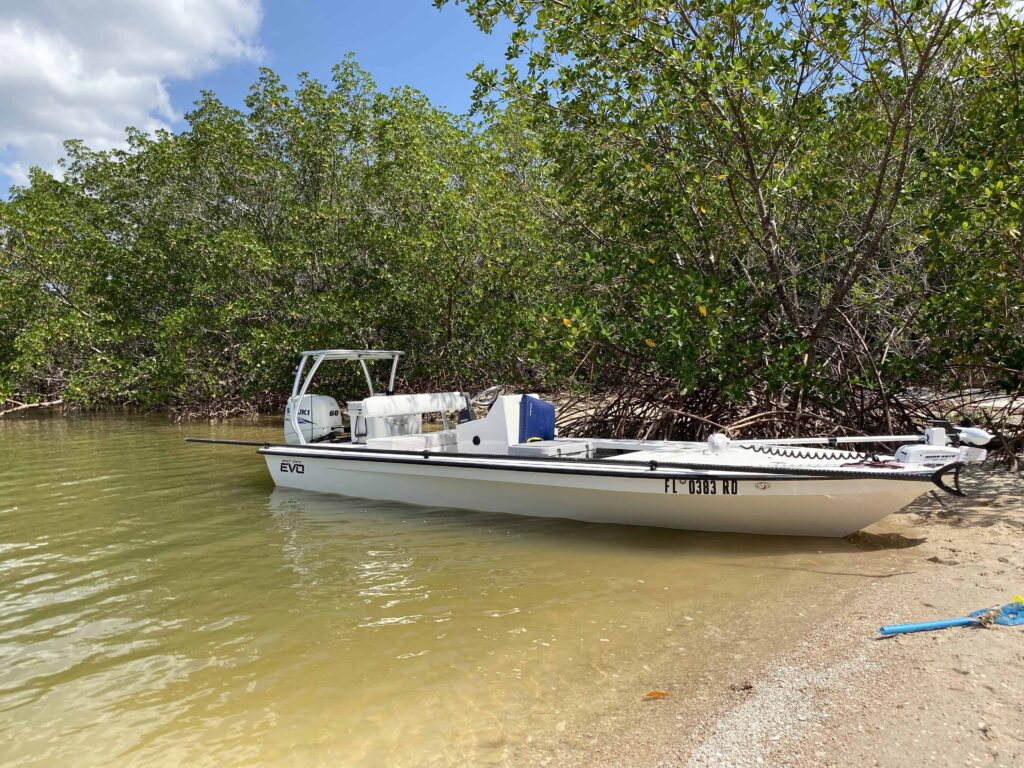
[319, 416]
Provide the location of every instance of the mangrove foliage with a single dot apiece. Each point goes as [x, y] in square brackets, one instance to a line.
[799, 215]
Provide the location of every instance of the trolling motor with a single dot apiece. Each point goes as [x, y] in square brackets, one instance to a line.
[970, 435]
[949, 447]
[945, 443]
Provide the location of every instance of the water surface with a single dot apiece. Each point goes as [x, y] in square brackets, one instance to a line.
[162, 604]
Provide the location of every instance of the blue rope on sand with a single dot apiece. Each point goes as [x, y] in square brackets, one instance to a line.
[1009, 615]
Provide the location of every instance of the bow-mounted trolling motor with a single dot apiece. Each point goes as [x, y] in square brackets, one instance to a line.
[968, 434]
[945, 443]
[965, 432]
[964, 442]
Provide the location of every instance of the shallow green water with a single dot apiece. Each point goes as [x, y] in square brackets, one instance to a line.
[161, 603]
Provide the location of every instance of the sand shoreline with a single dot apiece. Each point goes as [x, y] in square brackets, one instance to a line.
[829, 693]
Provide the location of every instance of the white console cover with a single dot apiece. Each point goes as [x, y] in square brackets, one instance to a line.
[426, 441]
[402, 405]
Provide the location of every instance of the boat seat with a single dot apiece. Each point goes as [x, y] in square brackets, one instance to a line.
[425, 441]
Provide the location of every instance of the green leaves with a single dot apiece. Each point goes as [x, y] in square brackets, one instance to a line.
[777, 153]
[194, 266]
[740, 197]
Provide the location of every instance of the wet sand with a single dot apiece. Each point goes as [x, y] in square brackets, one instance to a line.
[825, 690]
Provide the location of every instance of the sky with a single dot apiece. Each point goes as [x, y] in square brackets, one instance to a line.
[86, 69]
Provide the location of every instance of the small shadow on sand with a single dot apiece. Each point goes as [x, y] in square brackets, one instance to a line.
[875, 541]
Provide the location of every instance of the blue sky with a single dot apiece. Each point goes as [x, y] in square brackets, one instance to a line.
[400, 42]
[88, 69]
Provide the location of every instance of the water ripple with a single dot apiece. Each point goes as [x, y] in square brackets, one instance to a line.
[162, 604]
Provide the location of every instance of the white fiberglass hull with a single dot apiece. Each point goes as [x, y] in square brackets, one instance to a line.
[693, 500]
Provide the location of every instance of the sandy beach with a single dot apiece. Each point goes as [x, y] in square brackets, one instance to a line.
[826, 690]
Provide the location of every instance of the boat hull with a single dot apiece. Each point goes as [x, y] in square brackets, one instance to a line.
[703, 501]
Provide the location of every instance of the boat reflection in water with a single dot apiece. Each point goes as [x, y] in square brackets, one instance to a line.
[456, 633]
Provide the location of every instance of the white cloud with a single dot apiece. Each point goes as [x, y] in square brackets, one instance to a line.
[87, 69]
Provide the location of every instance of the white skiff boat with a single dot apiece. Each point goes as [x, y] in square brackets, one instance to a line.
[511, 460]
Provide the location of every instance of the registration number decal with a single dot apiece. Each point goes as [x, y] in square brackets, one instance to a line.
[704, 486]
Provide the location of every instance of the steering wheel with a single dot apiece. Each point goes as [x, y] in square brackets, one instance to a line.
[487, 397]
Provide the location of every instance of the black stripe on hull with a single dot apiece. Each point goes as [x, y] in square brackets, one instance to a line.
[658, 470]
